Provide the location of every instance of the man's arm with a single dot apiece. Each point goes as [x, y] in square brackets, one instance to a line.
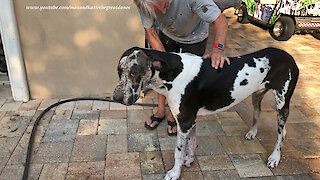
[154, 39]
[220, 36]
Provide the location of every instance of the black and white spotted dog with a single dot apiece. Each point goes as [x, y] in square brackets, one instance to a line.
[189, 82]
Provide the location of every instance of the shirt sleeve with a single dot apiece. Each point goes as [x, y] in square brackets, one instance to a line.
[207, 10]
[147, 21]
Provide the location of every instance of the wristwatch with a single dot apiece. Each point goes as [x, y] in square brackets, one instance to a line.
[218, 45]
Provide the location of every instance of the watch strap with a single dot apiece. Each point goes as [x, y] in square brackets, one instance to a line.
[218, 45]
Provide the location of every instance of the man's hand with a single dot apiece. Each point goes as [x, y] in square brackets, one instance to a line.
[217, 58]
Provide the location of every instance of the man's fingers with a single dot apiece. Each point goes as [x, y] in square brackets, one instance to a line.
[213, 63]
[228, 60]
[206, 56]
[217, 64]
[222, 62]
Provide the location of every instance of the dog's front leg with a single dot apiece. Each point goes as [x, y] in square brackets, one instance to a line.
[179, 153]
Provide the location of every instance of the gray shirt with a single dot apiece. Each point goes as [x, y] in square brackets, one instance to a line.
[185, 21]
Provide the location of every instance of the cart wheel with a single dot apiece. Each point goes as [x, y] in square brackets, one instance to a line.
[316, 35]
[282, 29]
[243, 15]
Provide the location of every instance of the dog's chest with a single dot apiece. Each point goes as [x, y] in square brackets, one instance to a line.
[191, 68]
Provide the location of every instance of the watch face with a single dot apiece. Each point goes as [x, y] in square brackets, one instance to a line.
[218, 45]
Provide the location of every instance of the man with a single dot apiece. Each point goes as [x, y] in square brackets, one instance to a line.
[184, 26]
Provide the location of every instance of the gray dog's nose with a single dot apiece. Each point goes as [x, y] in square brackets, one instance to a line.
[118, 97]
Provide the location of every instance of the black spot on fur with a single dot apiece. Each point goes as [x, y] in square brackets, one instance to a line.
[169, 86]
[244, 82]
[252, 64]
[178, 149]
[247, 74]
[279, 131]
[132, 57]
[261, 70]
[204, 9]
[268, 85]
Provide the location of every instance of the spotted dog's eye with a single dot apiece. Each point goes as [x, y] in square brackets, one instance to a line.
[133, 75]
[132, 57]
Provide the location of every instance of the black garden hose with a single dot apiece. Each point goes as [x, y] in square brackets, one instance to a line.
[27, 162]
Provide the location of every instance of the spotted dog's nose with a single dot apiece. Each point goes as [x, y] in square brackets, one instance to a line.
[118, 97]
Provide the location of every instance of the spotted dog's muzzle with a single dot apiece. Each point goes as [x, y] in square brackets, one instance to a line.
[126, 93]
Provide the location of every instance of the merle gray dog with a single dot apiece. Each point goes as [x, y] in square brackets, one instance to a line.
[190, 83]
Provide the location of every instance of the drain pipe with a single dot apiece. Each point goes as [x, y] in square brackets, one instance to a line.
[12, 50]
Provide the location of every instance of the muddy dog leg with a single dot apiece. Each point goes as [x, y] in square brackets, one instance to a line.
[256, 101]
[283, 97]
[179, 153]
[191, 145]
[185, 121]
[274, 158]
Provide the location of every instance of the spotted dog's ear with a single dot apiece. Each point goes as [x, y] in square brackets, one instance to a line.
[163, 61]
[122, 59]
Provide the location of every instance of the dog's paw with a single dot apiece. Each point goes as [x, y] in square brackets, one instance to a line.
[274, 159]
[188, 161]
[251, 134]
[173, 174]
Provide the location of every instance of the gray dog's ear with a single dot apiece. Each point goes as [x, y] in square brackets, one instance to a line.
[163, 61]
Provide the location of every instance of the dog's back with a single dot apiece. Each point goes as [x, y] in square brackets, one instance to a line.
[245, 75]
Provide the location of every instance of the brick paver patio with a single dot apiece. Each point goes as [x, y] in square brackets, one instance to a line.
[95, 140]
